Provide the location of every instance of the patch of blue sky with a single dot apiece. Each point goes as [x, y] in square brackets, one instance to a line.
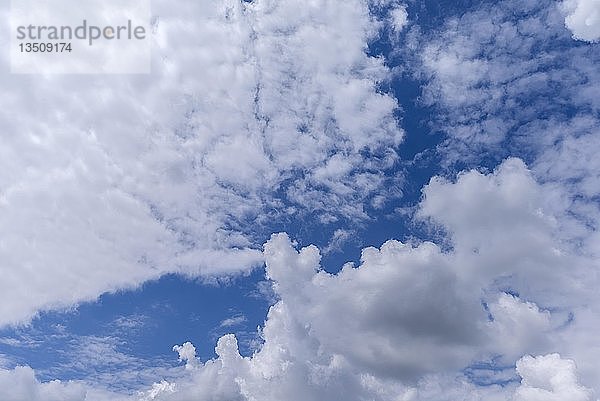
[140, 326]
[491, 373]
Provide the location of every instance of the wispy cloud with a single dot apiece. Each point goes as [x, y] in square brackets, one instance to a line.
[233, 321]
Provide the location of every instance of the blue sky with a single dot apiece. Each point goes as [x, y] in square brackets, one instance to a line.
[359, 200]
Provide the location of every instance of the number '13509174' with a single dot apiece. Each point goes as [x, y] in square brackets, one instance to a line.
[31, 47]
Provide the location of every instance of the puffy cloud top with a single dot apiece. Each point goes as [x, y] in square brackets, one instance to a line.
[583, 19]
[549, 378]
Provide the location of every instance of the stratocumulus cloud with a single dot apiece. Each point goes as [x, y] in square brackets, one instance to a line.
[116, 180]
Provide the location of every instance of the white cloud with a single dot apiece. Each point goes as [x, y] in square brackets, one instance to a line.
[281, 96]
[549, 378]
[253, 111]
[338, 239]
[400, 325]
[506, 79]
[500, 225]
[5, 361]
[13, 342]
[233, 321]
[500, 76]
[411, 317]
[398, 333]
[583, 19]
[374, 332]
[107, 363]
[187, 354]
[20, 384]
[158, 389]
[399, 18]
[519, 326]
[129, 323]
[231, 377]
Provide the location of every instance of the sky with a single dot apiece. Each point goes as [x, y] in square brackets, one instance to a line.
[382, 200]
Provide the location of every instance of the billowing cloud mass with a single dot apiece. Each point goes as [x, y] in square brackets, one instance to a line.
[506, 80]
[253, 112]
[543, 378]
[411, 315]
[583, 19]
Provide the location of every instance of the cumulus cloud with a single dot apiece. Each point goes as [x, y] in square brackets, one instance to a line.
[158, 389]
[403, 322]
[549, 378]
[396, 327]
[187, 354]
[231, 377]
[500, 226]
[523, 73]
[510, 275]
[397, 333]
[411, 316]
[519, 326]
[500, 76]
[583, 19]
